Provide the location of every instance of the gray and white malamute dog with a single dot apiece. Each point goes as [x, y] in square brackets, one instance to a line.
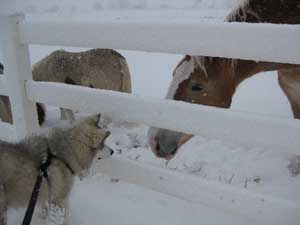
[72, 151]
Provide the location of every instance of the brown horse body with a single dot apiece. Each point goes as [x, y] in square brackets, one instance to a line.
[212, 81]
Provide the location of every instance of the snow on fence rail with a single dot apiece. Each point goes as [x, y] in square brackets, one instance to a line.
[7, 132]
[254, 41]
[258, 208]
[246, 128]
[203, 39]
[3, 87]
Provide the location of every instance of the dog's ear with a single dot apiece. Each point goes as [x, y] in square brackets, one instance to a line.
[98, 122]
[94, 120]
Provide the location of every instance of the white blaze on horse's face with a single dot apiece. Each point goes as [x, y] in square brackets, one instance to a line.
[182, 72]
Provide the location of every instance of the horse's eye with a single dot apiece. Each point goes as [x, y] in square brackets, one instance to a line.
[197, 87]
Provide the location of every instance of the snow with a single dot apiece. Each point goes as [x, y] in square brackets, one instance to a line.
[230, 126]
[102, 200]
[203, 37]
[56, 214]
[64, 7]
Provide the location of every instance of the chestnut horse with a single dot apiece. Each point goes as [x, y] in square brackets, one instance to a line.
[212, 81]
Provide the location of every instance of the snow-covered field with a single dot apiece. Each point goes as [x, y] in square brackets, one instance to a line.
[103, 200]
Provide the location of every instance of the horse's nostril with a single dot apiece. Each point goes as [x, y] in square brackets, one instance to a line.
[160, 154]
[157, 146]
[173, 152]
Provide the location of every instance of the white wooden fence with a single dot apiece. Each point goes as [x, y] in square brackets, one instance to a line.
[195, 38]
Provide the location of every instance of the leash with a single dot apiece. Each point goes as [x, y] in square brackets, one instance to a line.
[43, 174]
[36, 189]
[37, 186]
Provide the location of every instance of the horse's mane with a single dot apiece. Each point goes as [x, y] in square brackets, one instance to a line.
[254, 11]
[201, 62]
[266, 11]
[239, 13]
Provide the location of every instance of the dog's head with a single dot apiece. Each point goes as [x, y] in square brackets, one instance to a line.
[88, 141]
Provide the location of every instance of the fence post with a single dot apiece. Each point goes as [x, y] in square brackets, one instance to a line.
[17, 69]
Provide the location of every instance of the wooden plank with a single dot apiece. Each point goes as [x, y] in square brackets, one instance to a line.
[17, 65]
[7, 132]
[197, 38]
[262, 209]
[247, 129]
[3, 86]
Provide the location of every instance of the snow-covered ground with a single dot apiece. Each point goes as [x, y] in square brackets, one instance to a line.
[102, 200]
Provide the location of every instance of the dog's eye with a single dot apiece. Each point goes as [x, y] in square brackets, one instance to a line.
[197, 87]
[92, 148]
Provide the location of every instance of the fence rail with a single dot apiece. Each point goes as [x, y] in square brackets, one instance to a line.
[254, 41]
[7, 132]
[247, 128]
[260, 208]
[17, 70]
[3, 86]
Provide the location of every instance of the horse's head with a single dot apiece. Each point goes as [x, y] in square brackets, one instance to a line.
[212, 81]
[200, 80]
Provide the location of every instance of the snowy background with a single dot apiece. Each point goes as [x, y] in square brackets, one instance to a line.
[64, 7]
[102, 200]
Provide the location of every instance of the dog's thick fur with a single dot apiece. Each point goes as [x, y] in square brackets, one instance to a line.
[74, 150]
[95, 68]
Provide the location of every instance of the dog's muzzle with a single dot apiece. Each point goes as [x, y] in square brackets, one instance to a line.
[105, 151]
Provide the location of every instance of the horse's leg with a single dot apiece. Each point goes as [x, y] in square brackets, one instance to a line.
[6, 114]
[5, 110]
[41, 111]
[289, 81]
[3, 206]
